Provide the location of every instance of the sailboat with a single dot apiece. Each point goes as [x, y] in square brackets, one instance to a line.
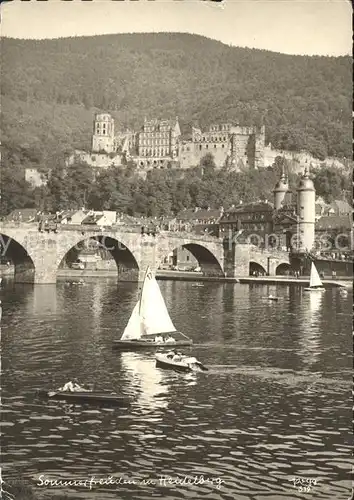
[315, 281]
[150, 325]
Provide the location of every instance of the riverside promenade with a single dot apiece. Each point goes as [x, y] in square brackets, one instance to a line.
[267, 280]
[195, 276]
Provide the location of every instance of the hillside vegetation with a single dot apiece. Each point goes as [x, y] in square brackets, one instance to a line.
[51, 89]
[162, 193]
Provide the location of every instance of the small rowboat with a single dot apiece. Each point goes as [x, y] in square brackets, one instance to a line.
[85, 397]
[270, 297]
[183, 364]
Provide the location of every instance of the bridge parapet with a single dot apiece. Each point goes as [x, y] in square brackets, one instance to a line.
[270, 252]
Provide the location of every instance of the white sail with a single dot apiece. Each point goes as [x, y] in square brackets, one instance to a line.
[315, 280]
[153, 311]
[133, 328]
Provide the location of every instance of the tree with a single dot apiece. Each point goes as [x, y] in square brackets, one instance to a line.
[330, 183]
[208, 166]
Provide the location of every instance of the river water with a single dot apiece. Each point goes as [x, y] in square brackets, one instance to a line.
[273, 410]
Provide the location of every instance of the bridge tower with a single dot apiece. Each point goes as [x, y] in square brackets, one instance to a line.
[306, 196]
[280, 190]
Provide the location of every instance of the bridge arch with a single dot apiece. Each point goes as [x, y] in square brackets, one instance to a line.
[14, 252]
[204, 256]
[256, 269]
[83, 247]
[283, 269]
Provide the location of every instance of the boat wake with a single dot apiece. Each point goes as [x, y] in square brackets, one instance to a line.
[282, 376]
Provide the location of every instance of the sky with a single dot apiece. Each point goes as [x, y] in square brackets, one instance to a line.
[321, 27]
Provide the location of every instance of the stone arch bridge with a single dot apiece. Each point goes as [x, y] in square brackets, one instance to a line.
[37, 256]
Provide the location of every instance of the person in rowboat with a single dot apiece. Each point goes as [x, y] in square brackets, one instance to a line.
[178, 356]
[72, 387]
[159, 339]
[169, 339]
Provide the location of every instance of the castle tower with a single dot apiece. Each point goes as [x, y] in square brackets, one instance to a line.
[259, 147]
[280, 190]
[103, 134]
[306, 196]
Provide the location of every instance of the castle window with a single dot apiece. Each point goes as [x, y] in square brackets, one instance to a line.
[223, 145]
[200, 147]
[214, 146]
[206, 146]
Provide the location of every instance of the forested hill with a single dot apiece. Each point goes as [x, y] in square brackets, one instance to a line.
[51, 88]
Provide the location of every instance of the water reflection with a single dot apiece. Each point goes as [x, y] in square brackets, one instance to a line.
[310, 338]
[44, 300]
[97, 303]
[145, 380]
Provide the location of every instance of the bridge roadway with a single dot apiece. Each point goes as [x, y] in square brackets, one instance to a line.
[37, 255]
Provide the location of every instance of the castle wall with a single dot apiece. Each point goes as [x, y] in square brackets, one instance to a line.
[98, 160]
[247, 146]
[259, 148]
[191, 153]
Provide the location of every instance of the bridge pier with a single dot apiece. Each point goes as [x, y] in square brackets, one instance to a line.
[272, 264]
[148, 256]
[236, 259]
[39, 264]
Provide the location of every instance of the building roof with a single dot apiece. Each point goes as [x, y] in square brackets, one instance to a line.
[92, 219]
[341, 207]
[199, 214]
[256, 206]
[334, 222]
[156, 123]
[67, 214]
